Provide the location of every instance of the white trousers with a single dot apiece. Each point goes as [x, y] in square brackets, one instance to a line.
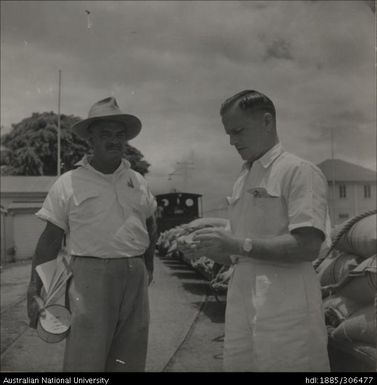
[274, 319]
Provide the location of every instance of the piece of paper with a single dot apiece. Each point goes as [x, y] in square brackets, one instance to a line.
[54, 275]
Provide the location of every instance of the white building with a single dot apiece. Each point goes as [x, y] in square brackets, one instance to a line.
[354, 190]
[21, 198]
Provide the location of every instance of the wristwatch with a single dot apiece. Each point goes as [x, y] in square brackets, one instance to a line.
[247, 245]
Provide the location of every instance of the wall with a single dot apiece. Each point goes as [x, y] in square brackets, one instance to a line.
[354, 204]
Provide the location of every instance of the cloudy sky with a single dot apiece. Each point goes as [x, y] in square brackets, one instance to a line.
[173, 63]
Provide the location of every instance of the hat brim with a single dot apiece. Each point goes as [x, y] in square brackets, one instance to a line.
[132, 125]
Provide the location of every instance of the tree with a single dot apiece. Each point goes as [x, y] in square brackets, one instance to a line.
[32, 147]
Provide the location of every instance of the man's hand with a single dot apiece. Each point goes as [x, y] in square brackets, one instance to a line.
[47, 249]
[218, 239]
[189, 249]
[214, 243]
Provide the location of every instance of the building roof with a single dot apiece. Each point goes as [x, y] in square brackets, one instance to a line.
[25, 205]
[26, 184]
[346, 171]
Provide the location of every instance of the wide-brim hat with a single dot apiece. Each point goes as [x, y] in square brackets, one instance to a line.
[108, 109]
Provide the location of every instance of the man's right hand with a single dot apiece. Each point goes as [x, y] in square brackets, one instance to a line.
[48, 247]
[33, 308]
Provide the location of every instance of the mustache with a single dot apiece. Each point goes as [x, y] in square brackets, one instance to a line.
[114, 147]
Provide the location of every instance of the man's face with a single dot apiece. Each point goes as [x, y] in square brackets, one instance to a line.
[247, 132]
[108, 139]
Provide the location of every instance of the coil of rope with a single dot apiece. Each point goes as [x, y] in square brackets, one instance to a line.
[344, 230]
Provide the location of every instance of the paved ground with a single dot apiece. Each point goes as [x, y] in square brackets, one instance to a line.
[201, 350]
[186, 324]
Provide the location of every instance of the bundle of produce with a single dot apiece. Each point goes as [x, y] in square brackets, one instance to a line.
[358, 235]
[346, 356]
[204, 266]
[361, 283]
[348, 276]
[220, 283]
[167, 242]
[336, 267]
[358, 327]
[352, 243]
[337, 309]
[207, 222]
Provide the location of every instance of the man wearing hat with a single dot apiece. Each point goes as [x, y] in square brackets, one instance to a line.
[106, 210]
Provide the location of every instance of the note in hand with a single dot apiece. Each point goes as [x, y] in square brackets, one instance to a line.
[54, 275]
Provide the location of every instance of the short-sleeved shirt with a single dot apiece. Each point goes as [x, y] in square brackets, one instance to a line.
[277, 195]
[103, 215]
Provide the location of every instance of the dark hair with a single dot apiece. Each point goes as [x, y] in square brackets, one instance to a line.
[249, 100]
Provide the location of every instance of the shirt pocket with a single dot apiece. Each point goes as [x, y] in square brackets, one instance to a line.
[86, 206]
[135, 198]
[268, 213]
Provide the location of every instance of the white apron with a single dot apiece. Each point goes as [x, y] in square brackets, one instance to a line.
[274, 318]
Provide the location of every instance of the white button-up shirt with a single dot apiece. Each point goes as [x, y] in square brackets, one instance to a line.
[104, 215]
[278, 194]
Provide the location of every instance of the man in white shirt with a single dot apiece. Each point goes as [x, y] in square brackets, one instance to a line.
[106, 210]
[278, 219]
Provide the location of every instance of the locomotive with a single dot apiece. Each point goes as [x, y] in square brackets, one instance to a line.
[176, 208]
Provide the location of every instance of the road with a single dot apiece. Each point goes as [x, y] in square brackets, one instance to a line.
[186, 331]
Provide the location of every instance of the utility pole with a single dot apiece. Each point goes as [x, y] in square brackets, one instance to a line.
[332, 176]
[59, 136]
[183, 168]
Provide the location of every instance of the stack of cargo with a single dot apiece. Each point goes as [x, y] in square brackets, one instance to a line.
[348, 277]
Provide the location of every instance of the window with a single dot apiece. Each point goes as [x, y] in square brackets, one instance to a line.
[367, 191]
[342, 191]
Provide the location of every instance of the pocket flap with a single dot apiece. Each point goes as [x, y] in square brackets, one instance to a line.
[263, 192]
[81, 196]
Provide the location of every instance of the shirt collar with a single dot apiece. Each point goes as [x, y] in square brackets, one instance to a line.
[266, 160]
[84, 162]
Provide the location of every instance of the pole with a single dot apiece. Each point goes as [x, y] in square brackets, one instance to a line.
[59, 100]
[332, 177]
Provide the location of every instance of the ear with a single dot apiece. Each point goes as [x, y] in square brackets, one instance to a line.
[89, 139]
[268, 119]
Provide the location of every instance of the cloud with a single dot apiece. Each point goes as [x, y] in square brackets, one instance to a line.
[173, 63]
[279, 49]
